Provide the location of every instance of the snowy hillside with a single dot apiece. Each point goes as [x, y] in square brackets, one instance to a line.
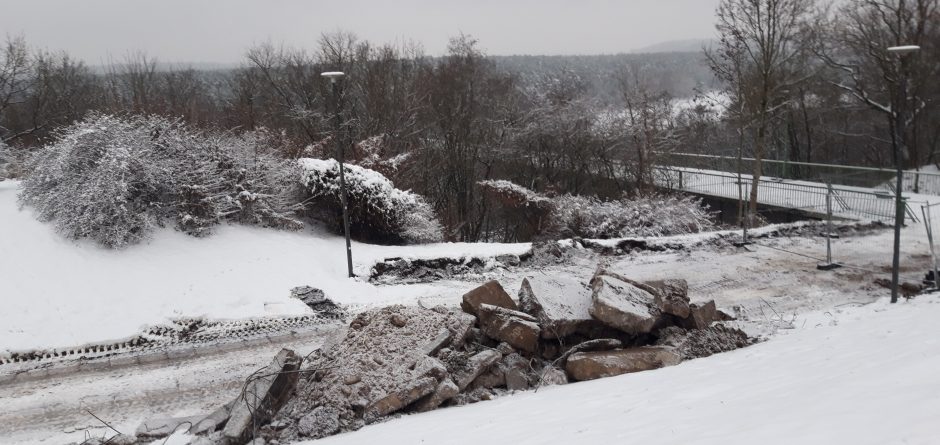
[56, 292]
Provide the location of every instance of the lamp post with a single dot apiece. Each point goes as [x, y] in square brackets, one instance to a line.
[900, 129]
[335, 77]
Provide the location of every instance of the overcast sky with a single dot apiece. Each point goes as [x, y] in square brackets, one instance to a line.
[220, 30]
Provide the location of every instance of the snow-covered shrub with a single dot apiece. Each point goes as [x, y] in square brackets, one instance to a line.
[6, 157]
[236, 178]
[523, 211]
[13, 161]
[652, 215]
[113, 179]
[99, 180]
[524, 214]
[377, 210]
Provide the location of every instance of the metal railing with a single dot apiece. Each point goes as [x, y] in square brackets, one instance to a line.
[915, 181]
[847, 202]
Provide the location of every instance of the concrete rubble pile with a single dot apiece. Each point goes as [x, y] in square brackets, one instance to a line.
[405, 359]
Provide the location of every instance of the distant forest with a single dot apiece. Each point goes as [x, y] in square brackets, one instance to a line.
[786, 79]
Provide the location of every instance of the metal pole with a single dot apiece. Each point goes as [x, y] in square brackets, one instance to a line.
[928, 222]
[899, 131]
[342, 170]
[829, 225]
[829, 265]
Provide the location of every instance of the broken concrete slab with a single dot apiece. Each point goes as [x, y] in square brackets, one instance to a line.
[518, 329]
[516, 371]
[516, 380]
[475, 366]
[671, 296]
[460, 325]
[621, 305]
[551, 376]
[214, 420]
[264, 394]
[701, 316]
[491, 293]
[494, 377]
[445, 391]
[599, 364]
[601, 344]
[437, 343]
[430, 367]
[399, 399]
[560, 304]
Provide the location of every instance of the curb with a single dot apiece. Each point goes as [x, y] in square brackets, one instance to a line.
[168, 354]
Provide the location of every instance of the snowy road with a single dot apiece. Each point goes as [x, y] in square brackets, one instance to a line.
[59, 410]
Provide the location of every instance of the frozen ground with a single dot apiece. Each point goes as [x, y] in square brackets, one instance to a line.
[90, 294]
[60, 410]
[839, 370]
[863, 375]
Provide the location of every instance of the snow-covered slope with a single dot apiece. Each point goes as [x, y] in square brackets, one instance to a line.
[861, 376]
[55, 292]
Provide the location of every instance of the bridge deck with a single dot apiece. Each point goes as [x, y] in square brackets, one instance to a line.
[856, 203]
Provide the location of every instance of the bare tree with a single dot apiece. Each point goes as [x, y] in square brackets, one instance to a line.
[648, 123]
[761, 56]
[897, 88]
[14, 79]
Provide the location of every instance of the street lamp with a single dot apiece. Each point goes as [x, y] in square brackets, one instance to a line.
[900, 129]
[335, 77]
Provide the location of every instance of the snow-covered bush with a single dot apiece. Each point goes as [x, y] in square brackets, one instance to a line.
[114, 179]
[5, 158]
[377, 210]
[524, 212]
[237, 178]
[652, 215]
[99, 181]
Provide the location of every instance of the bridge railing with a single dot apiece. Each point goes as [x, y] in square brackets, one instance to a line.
[847, 202]
[915, 181]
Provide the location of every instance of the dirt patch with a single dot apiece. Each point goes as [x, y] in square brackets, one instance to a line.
[410, 271]
[703, 342]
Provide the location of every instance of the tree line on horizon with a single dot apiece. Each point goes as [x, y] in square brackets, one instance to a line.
[787, 79]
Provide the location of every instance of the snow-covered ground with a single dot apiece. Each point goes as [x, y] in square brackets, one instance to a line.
[864, 375]
[56, 292]
[834, 373]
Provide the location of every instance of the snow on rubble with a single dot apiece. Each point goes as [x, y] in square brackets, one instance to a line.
[862, 375]
[94, 294]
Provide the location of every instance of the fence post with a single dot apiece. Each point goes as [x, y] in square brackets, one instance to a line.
[925, 210]
[680, 180]
[828, 265]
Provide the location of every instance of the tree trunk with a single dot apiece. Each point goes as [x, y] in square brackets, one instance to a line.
[758, 164]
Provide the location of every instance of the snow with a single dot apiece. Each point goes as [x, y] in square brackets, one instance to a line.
[862, 375]
[510, 188]
[90, 294]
